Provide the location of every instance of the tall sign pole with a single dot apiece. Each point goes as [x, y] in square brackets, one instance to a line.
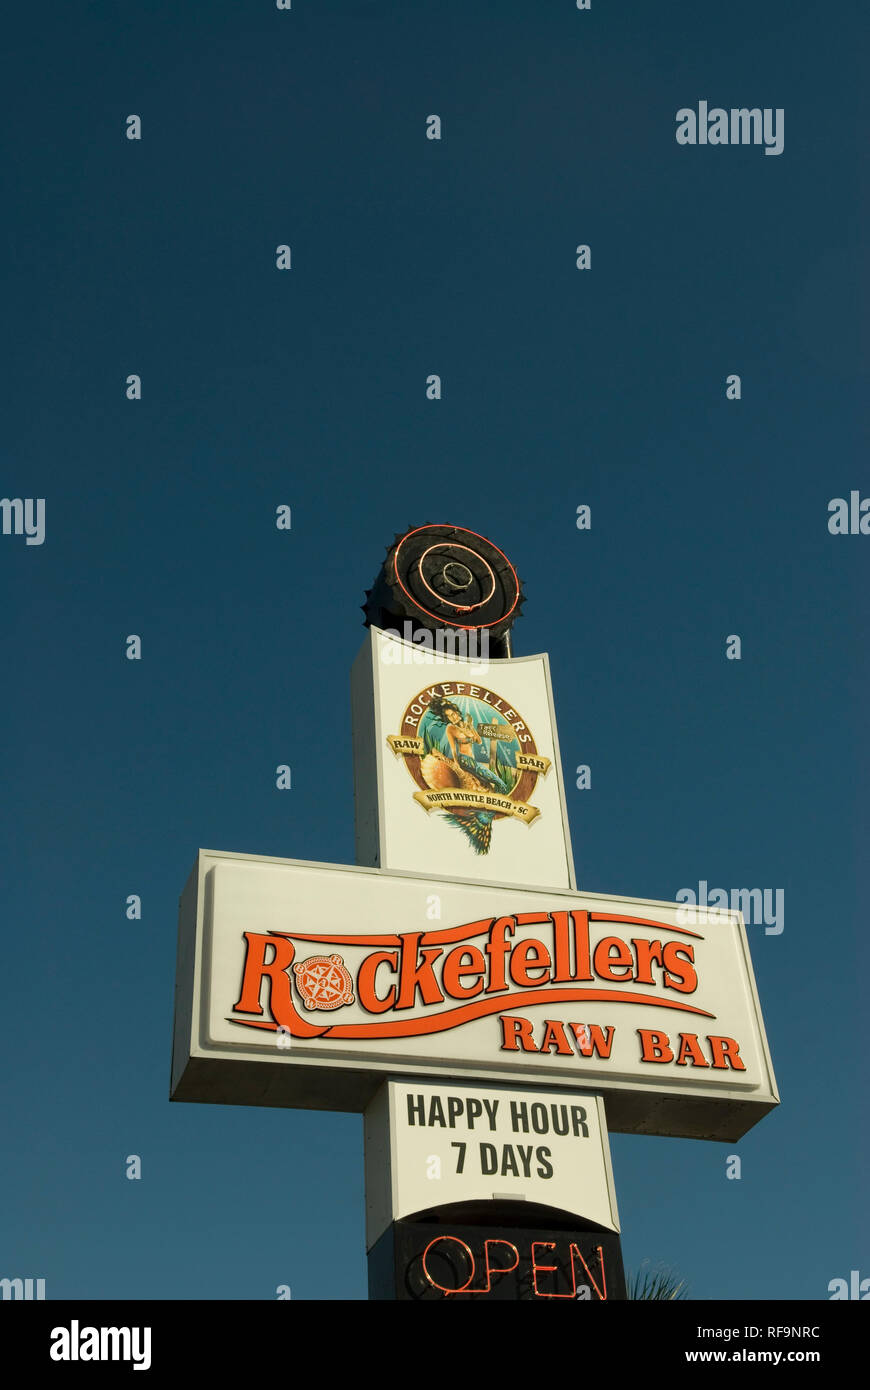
[490, 1020]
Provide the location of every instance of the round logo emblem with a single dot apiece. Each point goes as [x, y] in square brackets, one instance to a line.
[324, 982]
[472, 756]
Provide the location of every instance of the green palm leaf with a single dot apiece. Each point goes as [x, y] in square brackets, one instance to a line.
[658, 1283]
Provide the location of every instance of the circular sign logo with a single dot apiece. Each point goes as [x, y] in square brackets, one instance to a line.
[472, 756]
[324, 982]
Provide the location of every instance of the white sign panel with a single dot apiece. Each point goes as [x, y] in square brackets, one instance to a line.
[436, 1145]
[306, 984]
[456, 766]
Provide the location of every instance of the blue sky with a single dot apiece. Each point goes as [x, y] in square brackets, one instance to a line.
[307, 388]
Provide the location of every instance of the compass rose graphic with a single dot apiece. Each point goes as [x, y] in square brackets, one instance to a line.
[324, 982]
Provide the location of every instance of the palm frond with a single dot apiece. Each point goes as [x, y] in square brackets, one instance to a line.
[658, 1283]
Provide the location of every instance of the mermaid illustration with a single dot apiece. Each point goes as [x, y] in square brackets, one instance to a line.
[461, 770]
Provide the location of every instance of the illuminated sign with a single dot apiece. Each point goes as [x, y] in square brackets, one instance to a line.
[316, 981]
[422, 1261]
[433, 1145]
[456, 766]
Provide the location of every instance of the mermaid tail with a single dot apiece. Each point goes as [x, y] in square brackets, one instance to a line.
[477, 825]
[440, 773]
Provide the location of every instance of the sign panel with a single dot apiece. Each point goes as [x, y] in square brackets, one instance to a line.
[416, 1260]
[434, 1145]
[309, 985]
[456, 766]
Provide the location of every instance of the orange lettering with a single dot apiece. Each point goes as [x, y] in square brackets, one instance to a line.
[434, 1282]
[598, 1043]
[554, 1038]
[522, 1034]
[257, 968]
[365, 982]
[526, 957]
[725, 1053]
[613, 967]
[418, 974]
[454, 969]
[679, 976]
[690, 1047]
[654, 1046]
[491, 1269]
[647, 952]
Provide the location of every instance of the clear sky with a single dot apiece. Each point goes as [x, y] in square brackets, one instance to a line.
[307, 387]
